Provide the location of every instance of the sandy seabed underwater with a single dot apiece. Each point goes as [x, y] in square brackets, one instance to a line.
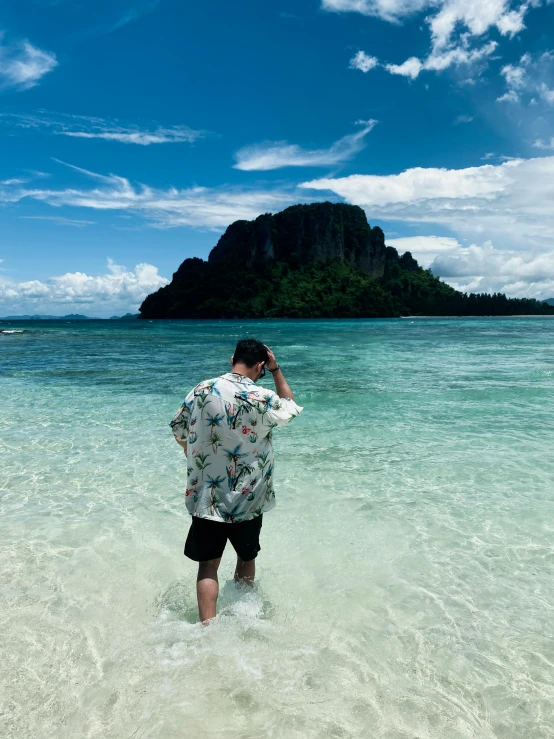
[405, 584]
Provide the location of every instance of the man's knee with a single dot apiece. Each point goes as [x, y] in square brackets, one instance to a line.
[208, 569]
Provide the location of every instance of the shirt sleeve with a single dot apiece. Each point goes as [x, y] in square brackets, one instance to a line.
[180, 423]
[279, 411]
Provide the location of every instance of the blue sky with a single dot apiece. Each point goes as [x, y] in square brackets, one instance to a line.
[133, 132]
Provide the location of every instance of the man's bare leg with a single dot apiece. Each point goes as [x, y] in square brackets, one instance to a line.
[245, 571]
[207, 589]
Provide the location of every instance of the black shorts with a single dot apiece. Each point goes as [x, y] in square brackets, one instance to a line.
[207, 539]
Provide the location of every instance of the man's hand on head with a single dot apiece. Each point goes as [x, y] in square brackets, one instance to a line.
[271, 363]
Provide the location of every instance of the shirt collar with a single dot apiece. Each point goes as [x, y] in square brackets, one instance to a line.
[237, 377]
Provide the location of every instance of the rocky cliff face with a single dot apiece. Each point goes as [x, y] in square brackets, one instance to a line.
[315, 260]
[305, 234]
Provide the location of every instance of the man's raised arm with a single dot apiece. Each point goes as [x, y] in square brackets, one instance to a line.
[282, 388]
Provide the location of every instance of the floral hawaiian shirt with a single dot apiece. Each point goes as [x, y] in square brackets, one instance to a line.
[228, 424]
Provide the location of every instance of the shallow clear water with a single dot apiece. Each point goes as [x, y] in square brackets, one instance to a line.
[406, 576]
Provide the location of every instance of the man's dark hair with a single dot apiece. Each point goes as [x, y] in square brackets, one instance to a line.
[250, 352]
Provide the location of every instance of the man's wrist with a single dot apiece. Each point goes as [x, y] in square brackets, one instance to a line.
[276, 369]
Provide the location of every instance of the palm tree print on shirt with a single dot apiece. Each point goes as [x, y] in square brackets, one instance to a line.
[228, 423]
[215, 441]
[202, 401]
[201, 462]
[263, 460]
[234, 455]
[213, 422]
[214, 484]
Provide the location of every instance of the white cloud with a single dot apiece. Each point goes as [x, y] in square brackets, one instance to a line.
[363, 62]
[457, 56]
[541, 144]
[439, 60]
[487, 269]
[198, 207]
[509, 97]
[512, 200]
[118, 291]
[483, 268]
[89, 127]
[531, 79]
[388, 10]
[274, 155]
[22, 65]
[475, 16]
[454, 25]
[515, 77]
[546, 93]
[410, 68]
[425, 248]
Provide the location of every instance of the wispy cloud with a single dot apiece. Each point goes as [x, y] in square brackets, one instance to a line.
[23, 65]
[91, 127]
[388, 10]
[529, 81]
[198, 207]
[35, 173]
[60, 220]
[542, 144]
[118, 290]
[177, 134]
[463, 119]
[274, 155]
[132, 14]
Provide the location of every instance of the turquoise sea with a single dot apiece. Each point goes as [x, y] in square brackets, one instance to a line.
[406, 576]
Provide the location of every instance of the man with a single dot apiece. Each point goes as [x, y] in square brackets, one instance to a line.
[225, 427]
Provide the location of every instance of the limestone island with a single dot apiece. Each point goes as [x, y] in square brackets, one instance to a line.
[321, 260]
